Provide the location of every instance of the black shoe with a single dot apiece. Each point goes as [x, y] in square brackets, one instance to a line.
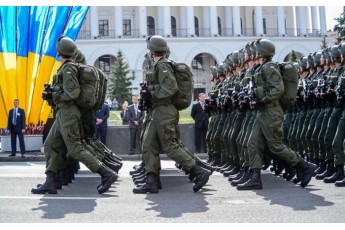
[150, 186]
[12, 155]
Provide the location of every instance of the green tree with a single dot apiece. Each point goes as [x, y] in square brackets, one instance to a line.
[323, 43]
[340, 27]
[120, 85]
[293, 56]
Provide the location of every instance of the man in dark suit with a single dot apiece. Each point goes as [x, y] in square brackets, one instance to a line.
[16, 126]
[136, 118]
[100, 120]
[201, 123]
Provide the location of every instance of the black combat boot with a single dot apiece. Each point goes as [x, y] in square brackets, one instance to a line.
[340, 183]
[228, 168]
[245, 177]
[307, 171]
[238, 175]
[329, 171]
[321, 168]
[150, 186]
[280, 167]
[112, 165]
[201, 177]
[253, 183]
[233, 171]
[338, 175]
[290, 172]
[267, 162]
[48, 186]
[56, 180]
[108, 177]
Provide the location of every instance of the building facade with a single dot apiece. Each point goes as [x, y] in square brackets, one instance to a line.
[200, 36]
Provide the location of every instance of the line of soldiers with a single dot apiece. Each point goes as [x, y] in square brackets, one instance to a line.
[249, 131]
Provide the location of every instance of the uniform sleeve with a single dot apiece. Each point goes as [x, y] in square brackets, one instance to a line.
[274, 82]
[71, 87]
[167, 82]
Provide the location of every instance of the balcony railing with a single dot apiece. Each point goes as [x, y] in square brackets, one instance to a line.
[199, 32]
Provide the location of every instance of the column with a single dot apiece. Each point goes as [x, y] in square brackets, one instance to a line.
[160, 20]
[281, 21]
[166, 21]
[322, 13]
[118, 22]
[236, 17]
[301, 20]
[259, 27]
[190, 21]
[183, 21]
[314, 20]
[228, 21]
[142, 21]
[94, 21]
[214, 21]
[206, 19]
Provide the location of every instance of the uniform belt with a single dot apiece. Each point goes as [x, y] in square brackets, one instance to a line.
[64, 104]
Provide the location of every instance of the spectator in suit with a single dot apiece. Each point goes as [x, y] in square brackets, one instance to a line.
[100, 122]
[136, 118]
[124, 114]
[201, 123]
[16, 126]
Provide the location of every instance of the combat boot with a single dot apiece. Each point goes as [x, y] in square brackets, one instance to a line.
[237, 176]
[245, 177]
[267, 162]
[340, 183]
[291, 172]
[329, 171]
[151, 185]
[253, 183]
[56, 180]
[280, 167]
[47, 187]
[307, 171]
[108, 177]
[234, 171]
[201, 177]
[338, 175]
[230, 165]
[113, 166]
[321, 168]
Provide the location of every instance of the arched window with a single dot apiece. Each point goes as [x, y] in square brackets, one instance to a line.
[196, 25]
[150, 25]
[173, 26]
[219, 26]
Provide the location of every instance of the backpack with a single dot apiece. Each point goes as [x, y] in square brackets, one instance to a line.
[290, 79]
[93, 86]
[185, 83]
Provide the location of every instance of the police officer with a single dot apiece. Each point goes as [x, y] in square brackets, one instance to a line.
[162, 129]
[66, 129]
[267, 128]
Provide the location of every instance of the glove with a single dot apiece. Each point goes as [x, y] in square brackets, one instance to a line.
[47, 96]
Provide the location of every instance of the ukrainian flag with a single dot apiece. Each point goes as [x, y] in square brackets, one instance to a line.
[28, 56]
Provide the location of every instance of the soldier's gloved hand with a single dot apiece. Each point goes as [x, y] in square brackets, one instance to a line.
[47, 95]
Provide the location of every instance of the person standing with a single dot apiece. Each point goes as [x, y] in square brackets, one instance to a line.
[124, 114]
[16, 126]
[101, 122]
[136, 117]
[201, 123]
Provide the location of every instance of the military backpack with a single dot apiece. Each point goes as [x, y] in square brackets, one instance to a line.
[290, 79]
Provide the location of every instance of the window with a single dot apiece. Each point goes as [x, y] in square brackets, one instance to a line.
[104, 63]
[150, 25]
[103, 27]
[126, 27]
[196, 26]
[264, 25]
[219, 26]
[173, 26]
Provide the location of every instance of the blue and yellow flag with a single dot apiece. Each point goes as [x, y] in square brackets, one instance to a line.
[27, 54]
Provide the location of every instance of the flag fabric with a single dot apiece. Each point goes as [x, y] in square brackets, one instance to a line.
[27, 54]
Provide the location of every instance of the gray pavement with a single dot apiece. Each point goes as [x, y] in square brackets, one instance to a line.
[217, 202]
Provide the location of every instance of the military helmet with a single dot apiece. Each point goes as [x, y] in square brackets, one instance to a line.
[79, 57]
[303, 63]
[335, 53]
[316, 58]
[65, 46]
[157, 43]
[213, 71]
[220, 69]
[265, 47]
[235, 57]
[311, 60]
[327, 55]
[248, 49]
[341, 48]
[167, 54]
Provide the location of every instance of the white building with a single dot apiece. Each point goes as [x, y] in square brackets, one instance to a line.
[200, 36]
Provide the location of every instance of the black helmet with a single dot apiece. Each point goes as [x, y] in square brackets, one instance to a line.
[335, 53]
[265, 47]
[65, 46]
[213, 71]
[316, 57]
[157, 43]
[235, 58]
[79, 57]
[327, 55]
[303, 63]
[220, 69]
[341, 48]
[311, 60]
